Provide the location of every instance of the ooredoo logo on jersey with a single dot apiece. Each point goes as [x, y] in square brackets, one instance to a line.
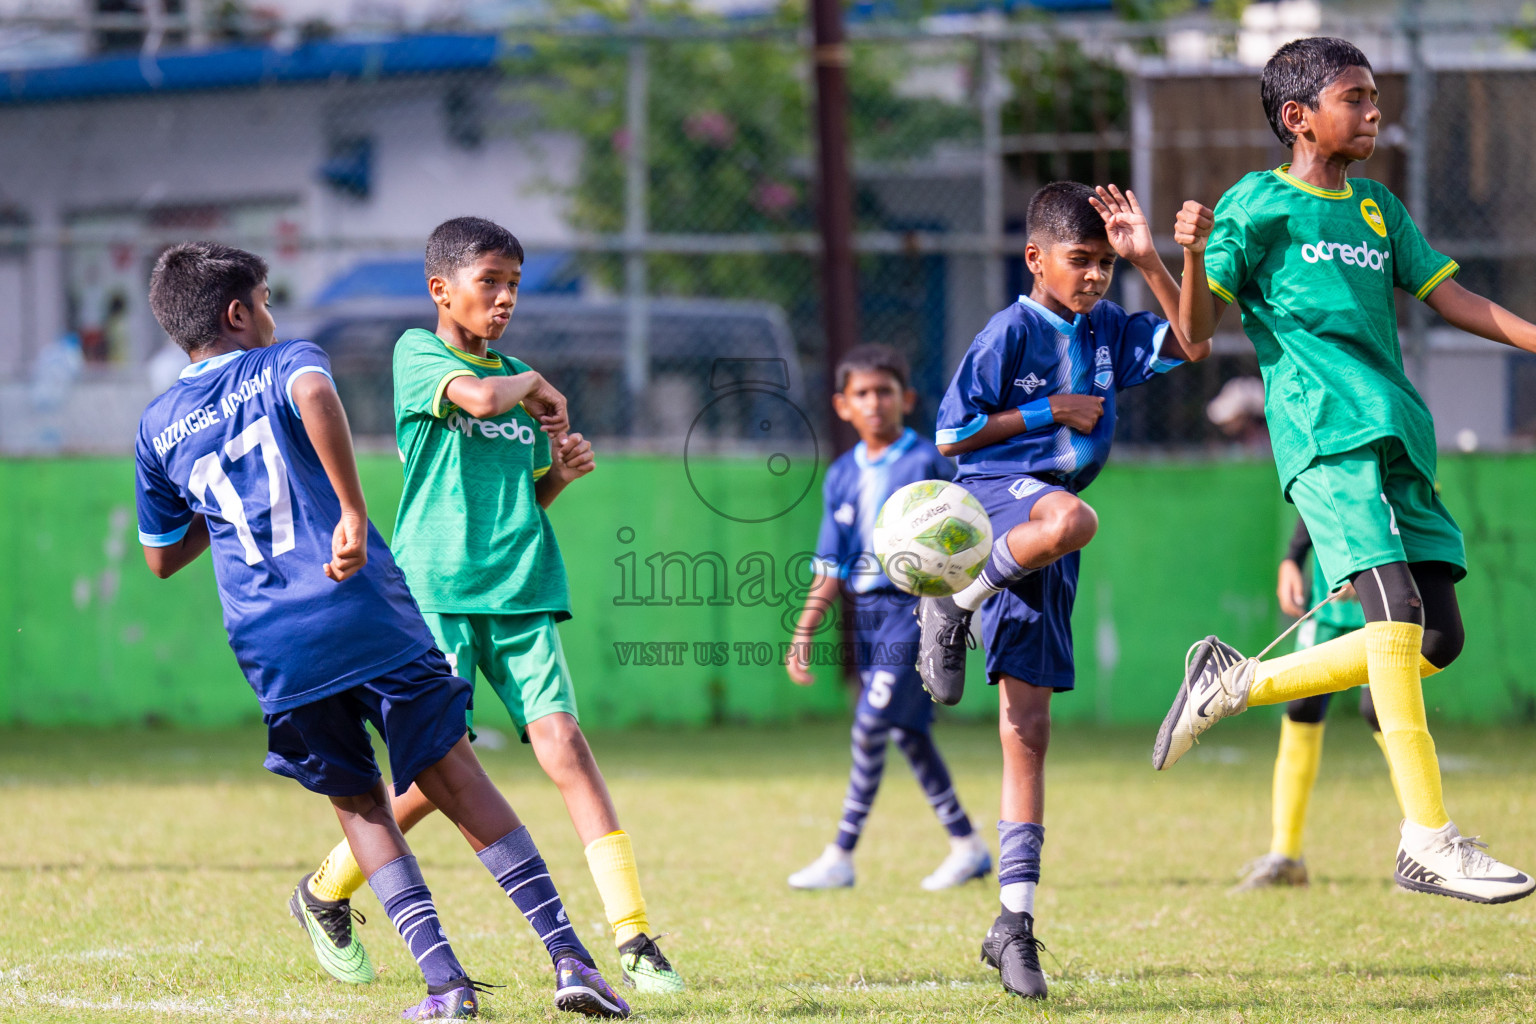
[1361, 255]
[510, 430]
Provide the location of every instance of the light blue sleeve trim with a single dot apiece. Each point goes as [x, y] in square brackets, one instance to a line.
[164, 540]
[953, 435]
[295, 375]
[1038, 415]
[1157, 364]
[828, 567]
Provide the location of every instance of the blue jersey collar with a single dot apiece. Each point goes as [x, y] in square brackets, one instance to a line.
[897, 448]
[1062, 326]
[211, 364]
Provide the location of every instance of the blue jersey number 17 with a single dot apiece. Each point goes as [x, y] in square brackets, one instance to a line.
[208, 475]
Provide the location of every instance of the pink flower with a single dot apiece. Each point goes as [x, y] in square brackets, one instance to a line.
[775, 198]
[710, 126]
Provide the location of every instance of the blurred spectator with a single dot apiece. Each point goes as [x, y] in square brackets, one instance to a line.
[1238, 410]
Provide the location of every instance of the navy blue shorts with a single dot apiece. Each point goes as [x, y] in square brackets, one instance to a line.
[1027, 629]
[885, 636]
[418, 710]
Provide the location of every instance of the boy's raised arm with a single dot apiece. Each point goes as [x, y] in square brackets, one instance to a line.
[325, 421]
[1128, 231]
[1199, 311]
[483, 397]
[1475, 314]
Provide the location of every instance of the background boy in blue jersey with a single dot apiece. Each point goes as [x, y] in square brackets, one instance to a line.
[1030, 415]
[249, 456]
[872, 394]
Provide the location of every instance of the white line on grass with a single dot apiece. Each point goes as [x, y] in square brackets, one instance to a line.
[181, 1007]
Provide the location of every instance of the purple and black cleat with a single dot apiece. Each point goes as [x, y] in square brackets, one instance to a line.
[580, 989]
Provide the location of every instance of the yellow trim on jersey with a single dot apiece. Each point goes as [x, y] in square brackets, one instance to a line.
[541, 470]
[440, 403]
[1451, 266]
[1221, 292]
[488, 362]
[1312, 190]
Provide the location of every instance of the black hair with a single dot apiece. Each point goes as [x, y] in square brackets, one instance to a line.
[457, 243]
[193, 284]
[1300, 71]
[873, 358]
[1060, 212]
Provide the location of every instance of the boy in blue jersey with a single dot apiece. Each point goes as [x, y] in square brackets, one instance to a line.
[249, 456]
[1030, 415]
[872, 394]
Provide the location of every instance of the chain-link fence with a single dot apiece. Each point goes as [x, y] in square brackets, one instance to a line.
[660, 171]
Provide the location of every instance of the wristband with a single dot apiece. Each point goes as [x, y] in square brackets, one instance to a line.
[1038, 414]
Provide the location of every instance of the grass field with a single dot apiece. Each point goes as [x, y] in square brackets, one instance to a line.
[144, 877]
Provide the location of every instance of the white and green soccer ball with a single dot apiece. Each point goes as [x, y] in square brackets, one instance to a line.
[932, 538]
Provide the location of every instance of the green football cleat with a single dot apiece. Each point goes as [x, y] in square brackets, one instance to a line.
[647, 969]
[329, 925]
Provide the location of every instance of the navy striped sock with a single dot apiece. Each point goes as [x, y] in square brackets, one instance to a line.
[1019, 858]
[517, 867]
[408, 902]
[933, 775]
[869, 739]
[1002, 569]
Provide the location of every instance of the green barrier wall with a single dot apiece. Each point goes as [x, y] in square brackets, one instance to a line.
[680, 612]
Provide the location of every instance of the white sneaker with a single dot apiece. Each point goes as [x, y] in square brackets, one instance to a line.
[968, 858]
[1216, 683]
[832, 870]
[1447, 863]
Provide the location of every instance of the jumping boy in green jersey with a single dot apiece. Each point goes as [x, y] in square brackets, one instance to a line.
[1311, 258]
[481, 560]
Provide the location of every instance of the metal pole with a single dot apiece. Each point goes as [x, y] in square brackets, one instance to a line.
[992, 174]
[1141, 172]
[1416, 122]
[839, 282]
[637, 358]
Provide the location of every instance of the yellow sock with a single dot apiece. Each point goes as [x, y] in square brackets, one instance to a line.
[1426, 669]
[1326, 668]
[1301, 749]
[612, 860]
[1381, 741]
[1393, 650]
[339, 877]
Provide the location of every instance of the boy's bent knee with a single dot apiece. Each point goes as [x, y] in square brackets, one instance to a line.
[1443, 645]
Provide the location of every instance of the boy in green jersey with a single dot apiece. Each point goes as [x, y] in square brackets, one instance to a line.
[1311, 258]
[481, 559]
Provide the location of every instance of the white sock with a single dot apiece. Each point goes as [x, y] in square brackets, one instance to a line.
[972, 596]
[1019, 897]
[966, 843]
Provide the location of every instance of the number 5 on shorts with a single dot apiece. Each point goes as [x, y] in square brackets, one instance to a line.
[880, 688]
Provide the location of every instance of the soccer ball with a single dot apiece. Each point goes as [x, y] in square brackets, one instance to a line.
[932, 538]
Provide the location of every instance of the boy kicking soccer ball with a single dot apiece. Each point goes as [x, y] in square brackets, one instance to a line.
[1030, 416]
[249, 455]
[872, 394]
[1311, 257]
[480, 556]
[1301, 730]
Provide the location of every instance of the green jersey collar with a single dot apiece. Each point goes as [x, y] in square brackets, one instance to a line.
[1283, 173]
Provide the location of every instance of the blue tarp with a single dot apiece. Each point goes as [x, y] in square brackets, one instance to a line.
[246, 66]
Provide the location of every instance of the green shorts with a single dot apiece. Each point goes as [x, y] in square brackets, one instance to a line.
[1371, 506]
[519, 655]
